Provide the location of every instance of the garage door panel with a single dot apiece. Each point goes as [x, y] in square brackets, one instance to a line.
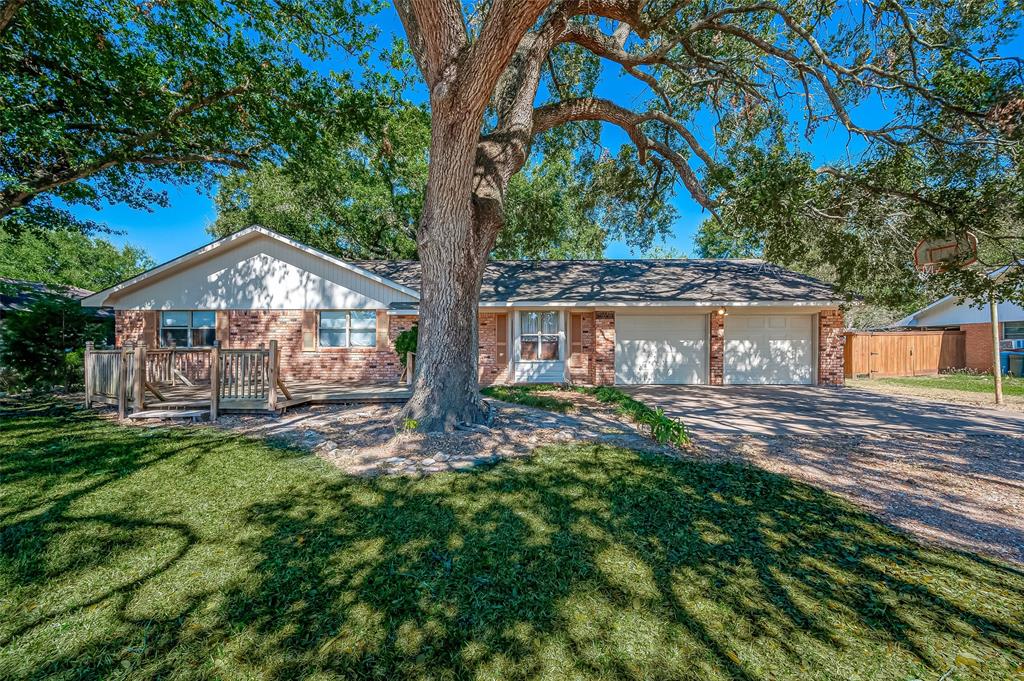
[769, 349]
[660, 349]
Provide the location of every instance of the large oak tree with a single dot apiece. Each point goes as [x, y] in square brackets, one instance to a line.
[719, 75]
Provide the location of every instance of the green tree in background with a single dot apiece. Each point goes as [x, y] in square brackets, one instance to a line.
[356, 194]
[360, 196]
[99, 98]
[66, 257]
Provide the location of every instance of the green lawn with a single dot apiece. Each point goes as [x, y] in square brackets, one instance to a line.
[962, 382]
[138, 553]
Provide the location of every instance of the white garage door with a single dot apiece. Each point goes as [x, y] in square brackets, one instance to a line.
[660, 348]
[769, 349]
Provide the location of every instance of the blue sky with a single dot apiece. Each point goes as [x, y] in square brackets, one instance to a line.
[168, 232]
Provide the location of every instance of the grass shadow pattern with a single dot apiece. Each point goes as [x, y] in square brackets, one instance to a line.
[196, 554]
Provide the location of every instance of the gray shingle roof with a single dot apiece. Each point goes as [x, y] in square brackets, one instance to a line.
[663, 281]
[19, 294]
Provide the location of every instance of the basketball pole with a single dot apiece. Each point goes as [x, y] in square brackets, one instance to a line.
[997, 367]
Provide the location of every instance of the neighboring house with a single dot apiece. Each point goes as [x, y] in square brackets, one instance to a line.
[590, 322]
[974, 320]
[18, 294]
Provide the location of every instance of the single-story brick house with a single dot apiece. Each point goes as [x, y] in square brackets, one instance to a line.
[589, 322]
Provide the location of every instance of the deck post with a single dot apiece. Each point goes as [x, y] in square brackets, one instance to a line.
[214, 379]
[410, 367]
[122, 382]
[275, 373]
[139, 389]
[89, 359]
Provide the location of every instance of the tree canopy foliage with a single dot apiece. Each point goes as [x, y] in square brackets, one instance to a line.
[66, 257]
[948, 162]
[360, 196]
[98, 98]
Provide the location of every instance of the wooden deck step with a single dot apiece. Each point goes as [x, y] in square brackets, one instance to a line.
[193, 414]
[179, 404]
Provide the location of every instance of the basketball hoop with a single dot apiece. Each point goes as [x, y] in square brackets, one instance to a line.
[932, 256]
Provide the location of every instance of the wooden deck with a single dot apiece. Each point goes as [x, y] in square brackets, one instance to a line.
[302, 392]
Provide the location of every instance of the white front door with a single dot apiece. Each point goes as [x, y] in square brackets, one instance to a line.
[769, 349]
[661, 348]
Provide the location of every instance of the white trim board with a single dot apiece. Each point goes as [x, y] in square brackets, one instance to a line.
[795, 306]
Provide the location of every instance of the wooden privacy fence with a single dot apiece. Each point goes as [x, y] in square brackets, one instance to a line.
[899, 353]
[237, 379]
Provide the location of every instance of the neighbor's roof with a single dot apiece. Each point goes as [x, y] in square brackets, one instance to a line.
[919, 317]
[662, 281]
[18, 294]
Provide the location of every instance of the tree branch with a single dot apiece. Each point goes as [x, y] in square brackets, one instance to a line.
[437, 34]
[8, 10]
[504, 29]
[595, 109]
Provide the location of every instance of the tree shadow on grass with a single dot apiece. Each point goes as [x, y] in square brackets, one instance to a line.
[582, 562]
[604, 563]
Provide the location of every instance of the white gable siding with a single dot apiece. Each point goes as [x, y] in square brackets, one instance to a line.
[952, 312]
[262, 274]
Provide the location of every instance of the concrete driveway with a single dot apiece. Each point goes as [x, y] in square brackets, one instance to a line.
[803, 410]
[950, 474]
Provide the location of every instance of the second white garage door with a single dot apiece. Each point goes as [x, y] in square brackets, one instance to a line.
[769, 349]
[660, 348]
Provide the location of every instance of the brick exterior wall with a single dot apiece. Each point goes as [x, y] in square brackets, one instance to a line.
[488, 368]
[604, 349]
[128, 326]
[594, 366]
[978, 346]
[831, 346]
[716, 349]
[582, 365]
[249, 328]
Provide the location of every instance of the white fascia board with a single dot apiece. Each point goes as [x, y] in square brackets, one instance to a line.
[99, 299]
[664, 303]
[491, 305]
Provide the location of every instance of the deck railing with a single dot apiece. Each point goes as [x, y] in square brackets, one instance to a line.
[178, 366]
[244, 379]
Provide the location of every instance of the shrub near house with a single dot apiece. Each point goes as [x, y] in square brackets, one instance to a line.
[42, 346]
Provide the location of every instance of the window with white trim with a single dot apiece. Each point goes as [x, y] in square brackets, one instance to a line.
[538, 336]
[348, 329]
[188, 328]
[1013, 330]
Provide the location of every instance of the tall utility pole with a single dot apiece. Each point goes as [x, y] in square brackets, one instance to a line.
[997, 367]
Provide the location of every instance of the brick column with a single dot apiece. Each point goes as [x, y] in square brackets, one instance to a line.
[978, 346]
[604, 348]
[716, 351]
[831, 343]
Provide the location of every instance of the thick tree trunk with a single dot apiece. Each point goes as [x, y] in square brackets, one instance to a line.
[452, 255]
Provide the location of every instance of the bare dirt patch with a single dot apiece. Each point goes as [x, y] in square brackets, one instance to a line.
[362, 439]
